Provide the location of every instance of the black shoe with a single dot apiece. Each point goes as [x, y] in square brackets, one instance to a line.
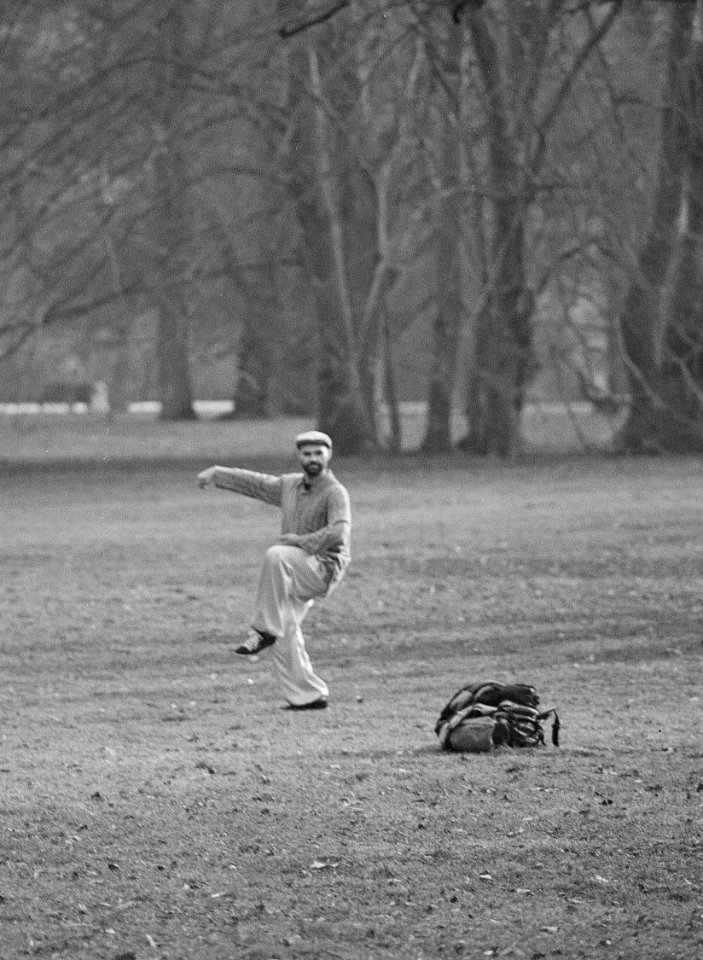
[320, 704]
[255, 642]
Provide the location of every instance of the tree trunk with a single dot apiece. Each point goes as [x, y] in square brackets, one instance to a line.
[446, 330]
[640, 319]
[118, 385]
[258, 349]
[503, 333]
[334, 221]
[446, 327]
[254, 371]
[174, 373]
[680, 414]
[341, 409]
[357, 213]
[500, 364]
[174, 380]
[390, 389]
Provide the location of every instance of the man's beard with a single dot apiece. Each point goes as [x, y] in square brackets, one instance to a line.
[313, 469]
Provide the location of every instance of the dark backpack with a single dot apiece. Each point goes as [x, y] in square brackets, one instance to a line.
[482, 716]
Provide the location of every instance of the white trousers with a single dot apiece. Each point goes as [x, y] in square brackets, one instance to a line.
[290, 581]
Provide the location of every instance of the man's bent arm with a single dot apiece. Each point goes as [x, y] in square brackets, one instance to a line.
[333, 535]
[262, 486]
[336, 532]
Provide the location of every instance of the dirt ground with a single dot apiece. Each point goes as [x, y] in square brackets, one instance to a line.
[156, 802]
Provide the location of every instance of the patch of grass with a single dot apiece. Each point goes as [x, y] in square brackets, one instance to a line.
[46, 440]
[156, 802]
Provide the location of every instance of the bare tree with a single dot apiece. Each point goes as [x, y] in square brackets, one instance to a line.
[661, 335]
[448, 307]
[107, 166]
[681, 410]
[524, 97]
[462, 159]
[170, 85]
[526, 64]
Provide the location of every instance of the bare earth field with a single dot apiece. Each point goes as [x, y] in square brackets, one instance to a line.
[156, 802]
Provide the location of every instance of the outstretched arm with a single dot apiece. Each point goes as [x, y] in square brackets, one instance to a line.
[262, 486]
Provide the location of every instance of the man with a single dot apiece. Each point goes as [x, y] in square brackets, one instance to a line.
[306, 563]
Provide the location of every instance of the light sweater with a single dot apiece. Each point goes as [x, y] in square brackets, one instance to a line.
[317, 512]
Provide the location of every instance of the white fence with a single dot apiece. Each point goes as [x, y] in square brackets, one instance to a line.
[217, 408]
[204, 408]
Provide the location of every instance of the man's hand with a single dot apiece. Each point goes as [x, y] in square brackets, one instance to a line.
[289, 540]
[206, 477]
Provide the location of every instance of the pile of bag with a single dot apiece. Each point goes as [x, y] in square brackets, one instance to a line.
[483, 716]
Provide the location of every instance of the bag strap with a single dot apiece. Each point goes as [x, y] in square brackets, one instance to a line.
[556, 725]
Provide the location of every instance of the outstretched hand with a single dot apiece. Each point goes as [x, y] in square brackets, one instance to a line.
[206, 477]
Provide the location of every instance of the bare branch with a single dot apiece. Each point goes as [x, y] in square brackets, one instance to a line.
[291, 30]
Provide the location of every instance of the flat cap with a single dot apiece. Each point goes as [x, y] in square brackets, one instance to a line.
[313, 436]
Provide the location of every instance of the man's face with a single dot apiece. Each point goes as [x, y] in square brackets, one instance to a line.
[314, 458]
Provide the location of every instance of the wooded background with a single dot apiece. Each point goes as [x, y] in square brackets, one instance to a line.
[331, 206]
